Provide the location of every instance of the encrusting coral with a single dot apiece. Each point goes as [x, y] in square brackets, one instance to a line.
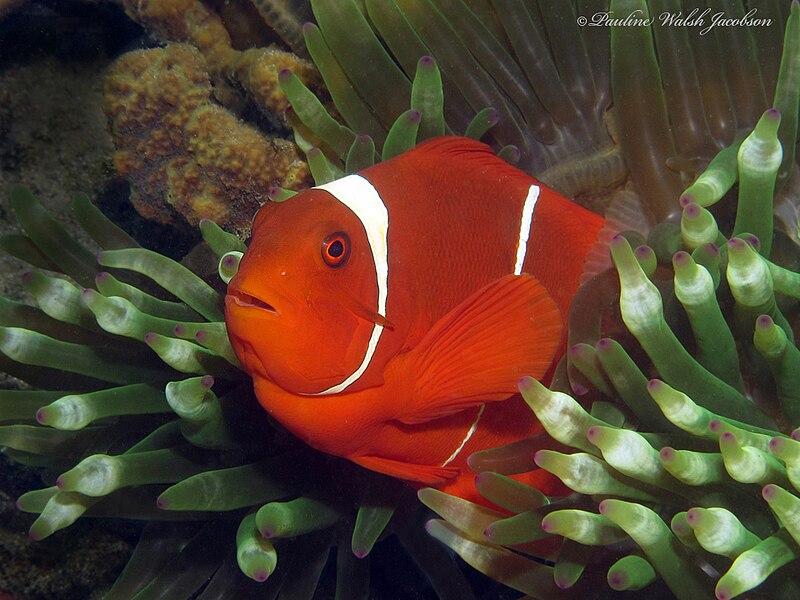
[175, 116]
[184, 154]
[206, 469]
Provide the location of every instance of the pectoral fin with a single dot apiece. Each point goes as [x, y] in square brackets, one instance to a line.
[478, 351]
[364, 312]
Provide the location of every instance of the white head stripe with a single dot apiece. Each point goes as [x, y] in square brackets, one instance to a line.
[358, 194]
[525, 227]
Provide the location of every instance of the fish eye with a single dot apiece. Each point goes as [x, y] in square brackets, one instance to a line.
[336, 249]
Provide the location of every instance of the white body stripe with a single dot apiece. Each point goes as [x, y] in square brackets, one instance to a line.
[359, 195]
[525, 227]
[471, 431]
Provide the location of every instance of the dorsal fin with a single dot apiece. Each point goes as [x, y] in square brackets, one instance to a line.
[470, 153]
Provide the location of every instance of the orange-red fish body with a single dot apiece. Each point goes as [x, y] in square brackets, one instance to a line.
[386, 315]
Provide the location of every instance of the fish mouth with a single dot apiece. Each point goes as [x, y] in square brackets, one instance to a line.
[247, 301]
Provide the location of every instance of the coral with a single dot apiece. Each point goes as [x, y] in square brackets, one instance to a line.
[180, 105]
[254, 70]
[185, 154]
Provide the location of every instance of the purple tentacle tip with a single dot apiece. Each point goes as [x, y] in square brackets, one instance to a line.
[207, 381]
[681, 258]
[102, 276]
[525, 383]
[618, 241]
[360, 554]
[764, 321]
[712, 249]
[691, 210]
[60, 482]
[308, 25]
[777, 444]
[162, 503]
[578, 389]
[284, 74]
[667, 454]
[26, 277]
[654, 385]
[773, 113]
[769, 492]
[562, 583]
[149, 337]
[752, 240]
[260, 576]
[426, 61]
[686, 199]
[603, 344]
[363, 137]
[179, 330]
[414, 116]
[41, 416]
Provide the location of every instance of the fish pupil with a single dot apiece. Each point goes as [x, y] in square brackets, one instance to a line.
[336, 249]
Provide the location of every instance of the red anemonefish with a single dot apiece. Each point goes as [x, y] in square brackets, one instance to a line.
[384, 316]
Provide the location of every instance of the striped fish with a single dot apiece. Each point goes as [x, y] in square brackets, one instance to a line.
[386, 317]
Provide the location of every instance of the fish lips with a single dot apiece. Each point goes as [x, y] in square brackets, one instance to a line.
[245, 300]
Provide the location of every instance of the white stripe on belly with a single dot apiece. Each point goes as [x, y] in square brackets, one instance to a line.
[471, 431]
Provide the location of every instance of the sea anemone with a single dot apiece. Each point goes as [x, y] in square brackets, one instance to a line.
[684, 467]
[175, 438]
[582, 107]
[160, 425]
